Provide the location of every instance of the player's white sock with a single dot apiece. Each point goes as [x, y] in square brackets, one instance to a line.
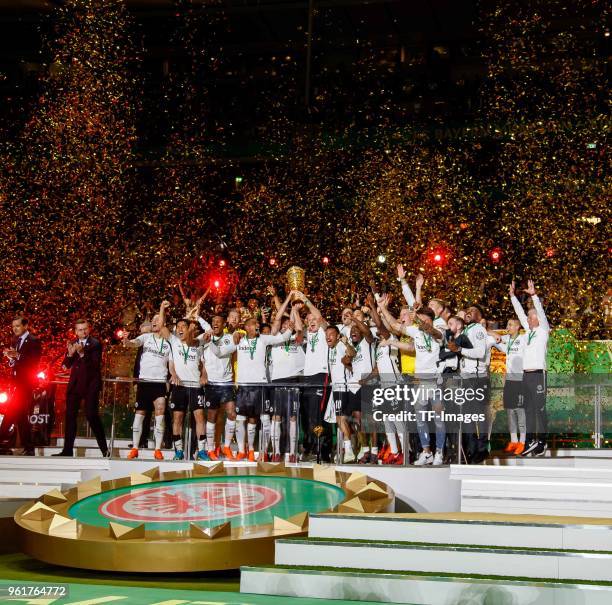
[347, 446]
[276, 435]
[240, 432]
[178, 443]
[392, 439]
[201, 443]
[137, 429]
[210, 436]
[363, 451]
[158, 432]
[401, 440]
[375, 451]
[292, 435]
[230, 429]
[266, 431]
[251, 429]
[513, 437]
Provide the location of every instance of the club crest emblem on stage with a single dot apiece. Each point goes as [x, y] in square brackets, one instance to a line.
[187, 502]
[202, 518]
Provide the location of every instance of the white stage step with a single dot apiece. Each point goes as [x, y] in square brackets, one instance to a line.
[573, 534]
[38, 476]
[435, 558]
[415, 589]
[48, 463]
[544, 489]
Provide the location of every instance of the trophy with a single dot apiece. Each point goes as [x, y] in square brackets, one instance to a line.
[296, 278]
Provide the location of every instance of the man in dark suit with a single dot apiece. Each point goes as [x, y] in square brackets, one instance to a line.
[24, 357]
[84, 359]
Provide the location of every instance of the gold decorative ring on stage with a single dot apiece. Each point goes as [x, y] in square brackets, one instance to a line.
[205, 518]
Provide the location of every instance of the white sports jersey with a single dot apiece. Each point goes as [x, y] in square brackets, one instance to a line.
[536, 345]
[251, 355]
[316, 353]
[154, 358]
[344, 330]
[473, 361]
[386, 361]
[440, 325]
[363, 362]
[427, 350]
[287, 360]
[513, 348]
[490, 343]
[186, 360]
[218, 369]
[340, 375]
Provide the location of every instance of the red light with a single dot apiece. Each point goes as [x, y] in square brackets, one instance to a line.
[221, 263]
[550, 252]
[3, 397]
[41, 376]
[216, 283]
[463, 226]
[325, 260]
[495, 255]
[439, 256]
[272, 262]
[119, 334]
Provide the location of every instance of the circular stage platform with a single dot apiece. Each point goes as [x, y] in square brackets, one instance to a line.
[208, 518]
[207, 502]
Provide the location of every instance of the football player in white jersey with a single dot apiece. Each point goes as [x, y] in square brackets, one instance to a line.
[187, 377]
[512, 346]
[475, 375]
[362, 366]
[287, 366]
[427, 341]
[534, 369]
[340, 355]
[251, 349]
[347, 321]
[219, 390]
[152, 378]
[387, 369]
[317, 434]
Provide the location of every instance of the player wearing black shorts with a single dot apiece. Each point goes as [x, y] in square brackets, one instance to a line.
[152, 379]
[339, 357]
[219, 392]
[187, 394]
[287, 367]
[251, 350]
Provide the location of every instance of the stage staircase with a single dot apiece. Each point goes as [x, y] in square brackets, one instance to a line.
[550, 542]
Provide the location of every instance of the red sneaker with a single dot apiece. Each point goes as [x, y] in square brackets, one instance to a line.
[276, 458]
[212, 455]
[133, 453]
[157, 454]
[240, 456]
[292, 459]
[251, 456]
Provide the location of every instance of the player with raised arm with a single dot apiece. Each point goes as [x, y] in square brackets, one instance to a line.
[427, 340]
[187, 377]
[219, 391]
[534, 369]
[287, 366]
[251, 349]
[152, 378]
[512, 345]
